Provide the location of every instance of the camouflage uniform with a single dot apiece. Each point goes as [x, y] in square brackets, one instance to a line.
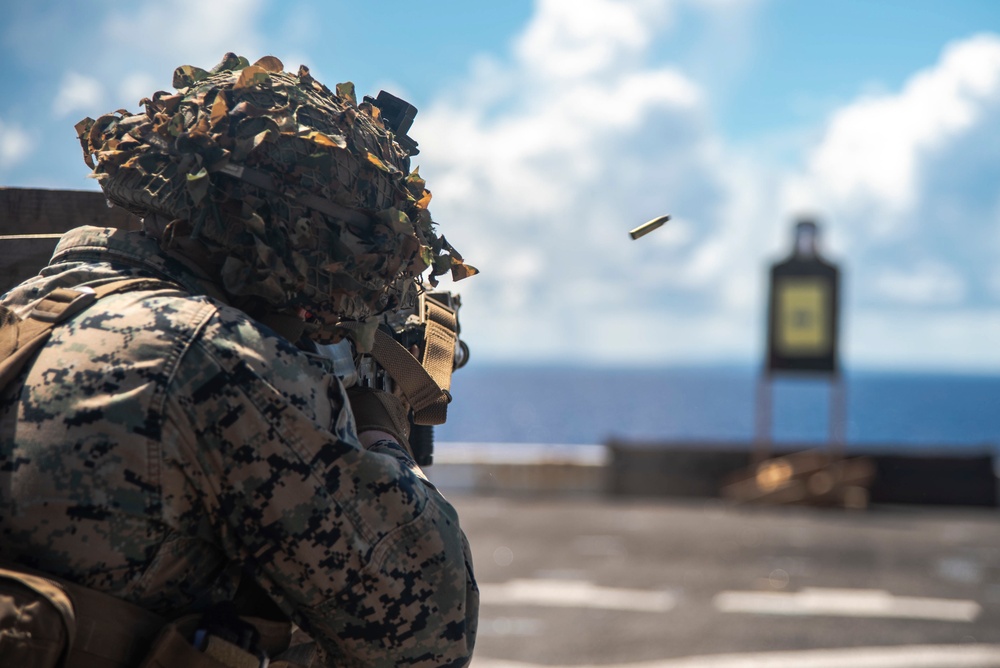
[164, 445]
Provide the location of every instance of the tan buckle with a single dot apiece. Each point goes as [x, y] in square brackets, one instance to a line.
[62, 303]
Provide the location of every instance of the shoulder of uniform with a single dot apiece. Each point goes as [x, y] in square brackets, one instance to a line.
[229, 328]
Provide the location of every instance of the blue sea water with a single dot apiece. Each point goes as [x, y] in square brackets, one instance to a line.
[885, 411]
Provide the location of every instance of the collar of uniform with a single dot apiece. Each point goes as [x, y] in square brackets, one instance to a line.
[109, 244]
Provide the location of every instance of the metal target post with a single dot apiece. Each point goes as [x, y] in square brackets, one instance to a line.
[764, 412]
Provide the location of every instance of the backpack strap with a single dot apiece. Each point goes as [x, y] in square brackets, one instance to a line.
[21, 338]
[48, 621]
[110, 632]
[37, 621]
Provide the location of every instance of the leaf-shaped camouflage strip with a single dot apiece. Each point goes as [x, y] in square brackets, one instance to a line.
[185, 75]
[345, 91]
[230, 62]
[252, 77]
[304, 196]
[270, 64]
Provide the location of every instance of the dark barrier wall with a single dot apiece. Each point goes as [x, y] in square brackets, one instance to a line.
[35, 211]
[700, 470]
[22, 256]
[935, 480]
[30, 219]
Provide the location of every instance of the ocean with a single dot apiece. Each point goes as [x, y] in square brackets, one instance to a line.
[556, 405]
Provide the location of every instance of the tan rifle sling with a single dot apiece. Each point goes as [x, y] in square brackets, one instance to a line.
[425, 385]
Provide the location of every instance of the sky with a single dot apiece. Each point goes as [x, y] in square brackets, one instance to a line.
[549, 129]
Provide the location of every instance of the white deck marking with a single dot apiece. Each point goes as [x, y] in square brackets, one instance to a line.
[906, 656]
[575, 594]
[847, 603]
[510, 626]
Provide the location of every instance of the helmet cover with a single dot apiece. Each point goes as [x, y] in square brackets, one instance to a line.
[302, 196]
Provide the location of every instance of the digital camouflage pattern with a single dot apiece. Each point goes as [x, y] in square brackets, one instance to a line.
[164, 445]
[300, 194]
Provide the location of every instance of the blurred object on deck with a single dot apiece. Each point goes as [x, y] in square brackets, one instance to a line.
[811, 477]
[943, 475]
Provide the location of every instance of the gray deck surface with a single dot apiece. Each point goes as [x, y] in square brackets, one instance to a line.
[591, 581]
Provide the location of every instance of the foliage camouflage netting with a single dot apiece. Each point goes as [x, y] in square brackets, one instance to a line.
[302, 194]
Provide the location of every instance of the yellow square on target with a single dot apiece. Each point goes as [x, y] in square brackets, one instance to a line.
[803, 317]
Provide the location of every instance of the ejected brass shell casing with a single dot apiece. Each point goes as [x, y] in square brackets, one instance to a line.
[646, 228]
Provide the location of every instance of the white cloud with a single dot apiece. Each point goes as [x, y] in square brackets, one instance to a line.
[586, 37]
[137, 85]
[871, 157]
[994, 283]
[77, 93]
[124, 55]
[157, 37]
[158, 33]
[927, 283]
[946, 339]
[15, 143]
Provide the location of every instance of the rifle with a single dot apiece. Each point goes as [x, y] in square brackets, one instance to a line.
[416, 350]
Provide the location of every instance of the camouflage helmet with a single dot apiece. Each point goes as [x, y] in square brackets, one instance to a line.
[302, 197]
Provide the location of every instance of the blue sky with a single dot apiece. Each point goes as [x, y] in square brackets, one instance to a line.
[548, 129]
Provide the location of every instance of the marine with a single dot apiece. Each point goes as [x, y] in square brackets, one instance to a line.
[180, 444]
